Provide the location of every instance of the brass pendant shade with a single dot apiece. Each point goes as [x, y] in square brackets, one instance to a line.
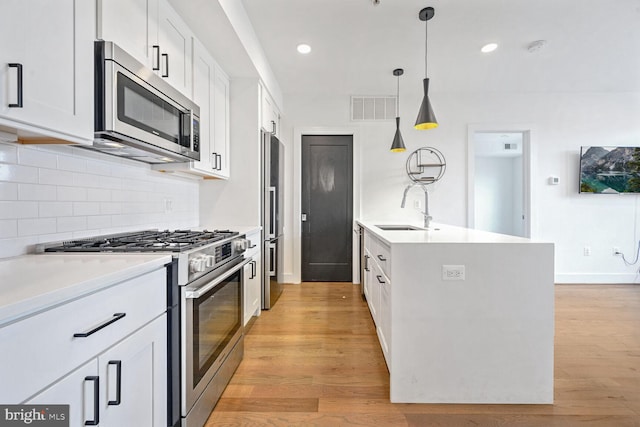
[398, 143]
[426, 118]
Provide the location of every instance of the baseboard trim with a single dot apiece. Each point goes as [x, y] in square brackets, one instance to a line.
[607, 279]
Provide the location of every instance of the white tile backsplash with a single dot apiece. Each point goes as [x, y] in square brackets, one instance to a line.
[53, 193]
[36, 192]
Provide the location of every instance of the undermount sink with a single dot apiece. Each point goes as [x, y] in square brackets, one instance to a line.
[393, 227]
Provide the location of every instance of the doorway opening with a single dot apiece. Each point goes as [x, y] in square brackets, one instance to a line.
[499, 191]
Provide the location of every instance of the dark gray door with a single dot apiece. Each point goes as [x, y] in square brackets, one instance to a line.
[327, 204]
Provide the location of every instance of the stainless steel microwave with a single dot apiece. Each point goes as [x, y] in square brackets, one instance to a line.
[138, 115]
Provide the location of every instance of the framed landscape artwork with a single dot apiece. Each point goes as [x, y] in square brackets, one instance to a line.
[610, 170]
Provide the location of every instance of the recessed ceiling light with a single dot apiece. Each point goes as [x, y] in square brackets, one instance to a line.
[490, 47]
[304, 48]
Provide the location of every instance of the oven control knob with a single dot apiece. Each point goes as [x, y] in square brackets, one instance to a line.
[197, 265]
[209, 260]
[241, 245]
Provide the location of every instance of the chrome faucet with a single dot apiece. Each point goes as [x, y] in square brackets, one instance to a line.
[427, 217]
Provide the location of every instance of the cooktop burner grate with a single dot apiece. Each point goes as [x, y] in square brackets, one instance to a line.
[144, 241]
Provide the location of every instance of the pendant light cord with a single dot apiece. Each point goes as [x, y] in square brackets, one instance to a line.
[398, 96]
[426, 45]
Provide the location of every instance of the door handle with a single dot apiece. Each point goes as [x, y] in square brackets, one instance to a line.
[115, 318]
[156, 66]
[166, 65]
[118, 365]
[304, 217]
[96, 401]
[18, 67]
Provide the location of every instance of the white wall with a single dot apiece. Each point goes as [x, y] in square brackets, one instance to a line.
[62, 192]
[561, 123]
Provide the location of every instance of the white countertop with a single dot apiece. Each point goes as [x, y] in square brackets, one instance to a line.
[32, 283]
[439, 233]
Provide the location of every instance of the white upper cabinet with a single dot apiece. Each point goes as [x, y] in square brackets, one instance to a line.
[211, 94]
[46, 68]
[132, 25]
[270, 115]
[153, 33]
[221, 140]
[175, 41]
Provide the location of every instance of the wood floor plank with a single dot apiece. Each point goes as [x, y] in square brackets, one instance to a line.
[314, 360]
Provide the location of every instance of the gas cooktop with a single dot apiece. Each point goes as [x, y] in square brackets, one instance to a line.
[144, 241]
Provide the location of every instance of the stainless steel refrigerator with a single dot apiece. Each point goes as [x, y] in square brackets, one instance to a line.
[272, 223]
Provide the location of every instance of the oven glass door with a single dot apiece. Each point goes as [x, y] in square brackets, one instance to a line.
[216, 317]
[145, 110]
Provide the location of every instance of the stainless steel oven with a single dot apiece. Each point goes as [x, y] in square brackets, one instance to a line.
[138, 115]
[212, 329]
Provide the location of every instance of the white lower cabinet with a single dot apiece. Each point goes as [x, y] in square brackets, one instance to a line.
[253, 278]
[105, 355]
[76, 390]
[377, 287]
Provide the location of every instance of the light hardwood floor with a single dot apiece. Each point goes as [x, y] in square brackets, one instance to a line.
[314, 360]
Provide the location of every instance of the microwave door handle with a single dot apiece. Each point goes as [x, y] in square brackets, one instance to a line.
[198, 292]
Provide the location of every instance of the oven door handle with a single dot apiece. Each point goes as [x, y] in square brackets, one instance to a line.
[198, 292]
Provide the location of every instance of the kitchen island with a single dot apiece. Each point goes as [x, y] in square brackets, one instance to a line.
[462, 316]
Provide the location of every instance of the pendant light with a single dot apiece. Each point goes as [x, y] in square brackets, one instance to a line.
[398, 142]
[426, 119]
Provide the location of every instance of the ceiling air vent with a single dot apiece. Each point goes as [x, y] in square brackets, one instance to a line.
[373, 108]
[510, 146]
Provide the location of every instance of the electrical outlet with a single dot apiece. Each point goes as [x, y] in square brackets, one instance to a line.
[453, 272]
[586, 251]
[616, 251]
[168, 205]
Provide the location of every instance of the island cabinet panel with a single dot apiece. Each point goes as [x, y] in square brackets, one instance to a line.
[484, 338]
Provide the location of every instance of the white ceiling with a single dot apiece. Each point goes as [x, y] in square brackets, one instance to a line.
[592, 45]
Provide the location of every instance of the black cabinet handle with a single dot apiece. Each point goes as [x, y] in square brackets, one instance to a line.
[19, 68]
[96, 401]
[215, 161]
[381, 258]
[220, 162]
[366, 263]
[251, 246]
[115, 318]
[156, 66]
[253, 269]
[273, 123]
[379, 278]
[166, 65]
[118, 364]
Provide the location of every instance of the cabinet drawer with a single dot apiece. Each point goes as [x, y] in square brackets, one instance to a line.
[254, 243]
[42, 348]
[380, 253]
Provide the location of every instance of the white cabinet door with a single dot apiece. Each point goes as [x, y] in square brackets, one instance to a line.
[221, 123]
[203, 92]
[46, 67]
[79, 390]
[133, 379]
[175, 40]
[384, 329]
[252, 289]
[132, 25]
